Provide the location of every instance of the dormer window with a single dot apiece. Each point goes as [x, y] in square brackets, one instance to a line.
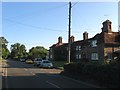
[94, 43]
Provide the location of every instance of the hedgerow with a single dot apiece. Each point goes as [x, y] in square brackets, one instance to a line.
[107, 74]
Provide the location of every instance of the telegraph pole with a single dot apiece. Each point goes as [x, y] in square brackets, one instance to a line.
[69, 33]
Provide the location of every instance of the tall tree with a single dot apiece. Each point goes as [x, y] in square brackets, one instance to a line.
[4, 52]
[18, 51]
[38, 52]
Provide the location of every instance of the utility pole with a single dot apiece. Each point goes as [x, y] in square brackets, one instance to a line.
[69, 33]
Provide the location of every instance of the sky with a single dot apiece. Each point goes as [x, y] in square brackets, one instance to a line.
[41, 23]
[119, 15]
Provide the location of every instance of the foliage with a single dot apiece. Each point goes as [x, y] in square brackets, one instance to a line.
[18, 51]
[38, 52]
[4, 52]
[109, 74]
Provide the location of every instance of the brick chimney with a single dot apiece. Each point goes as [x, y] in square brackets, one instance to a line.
[72, 39]
[59, 40]
[107, 26]
[85, 36]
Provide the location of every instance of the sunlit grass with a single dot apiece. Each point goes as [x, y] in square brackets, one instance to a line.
[59, 64]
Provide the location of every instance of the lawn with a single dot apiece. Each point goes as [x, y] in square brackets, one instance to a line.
[59, 64]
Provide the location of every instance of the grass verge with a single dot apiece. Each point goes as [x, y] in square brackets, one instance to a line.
[59, 64]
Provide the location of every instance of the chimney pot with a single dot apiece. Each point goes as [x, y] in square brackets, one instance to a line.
[72, 39]
[85, 36]
[60, 40]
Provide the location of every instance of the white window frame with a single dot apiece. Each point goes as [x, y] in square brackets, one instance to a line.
[51, 56]
[94, 56]
[94, 43]
[77, 56]
[78, 48]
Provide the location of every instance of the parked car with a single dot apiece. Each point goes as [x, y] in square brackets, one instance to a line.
[29, 61]
[37, 61]
[46, 64]
[22, 60]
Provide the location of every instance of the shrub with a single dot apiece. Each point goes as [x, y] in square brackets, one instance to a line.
[70, 68]
[108, 74]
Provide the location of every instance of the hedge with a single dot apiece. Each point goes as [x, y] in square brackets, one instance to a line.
[107, 74]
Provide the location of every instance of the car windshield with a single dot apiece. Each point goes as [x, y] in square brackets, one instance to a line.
[46, 62]
[39, 60]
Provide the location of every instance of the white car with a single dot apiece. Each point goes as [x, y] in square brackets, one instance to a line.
[37, 61]
[46, 64]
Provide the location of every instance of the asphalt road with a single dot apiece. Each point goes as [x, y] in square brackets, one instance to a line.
[21, 75]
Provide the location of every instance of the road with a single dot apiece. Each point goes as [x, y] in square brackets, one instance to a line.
[21, 75]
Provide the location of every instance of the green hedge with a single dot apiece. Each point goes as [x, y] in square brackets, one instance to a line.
[107, 74]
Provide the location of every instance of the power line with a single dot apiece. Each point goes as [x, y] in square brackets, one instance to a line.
[75, 3]
[42, 12]
[41, 28]
[28, 25]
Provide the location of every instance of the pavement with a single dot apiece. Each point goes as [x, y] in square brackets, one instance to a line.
[0, 74]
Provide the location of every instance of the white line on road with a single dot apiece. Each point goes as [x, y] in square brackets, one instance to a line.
[53, 84]
[28, 71]
[25, 69]
[82, 82]
[6, 81]
[32, 73]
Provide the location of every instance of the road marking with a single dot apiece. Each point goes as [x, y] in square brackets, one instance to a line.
[28, 71]
[25, 69]
[53, 84]
[32, 73]
[82, 82]
[5, 74]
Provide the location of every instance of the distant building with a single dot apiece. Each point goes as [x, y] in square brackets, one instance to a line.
[99, 48]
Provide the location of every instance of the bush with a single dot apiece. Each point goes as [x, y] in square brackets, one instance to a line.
[70, 68]
[107, 74]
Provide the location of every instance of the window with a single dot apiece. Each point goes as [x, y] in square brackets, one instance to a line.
[50, 56]
[109, 56]
[78, 56]
[94, 56]
[67, 48]
[94, 43]
[78, 48]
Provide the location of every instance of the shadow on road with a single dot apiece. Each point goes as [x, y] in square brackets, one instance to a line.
[17, 64]
[21, 75]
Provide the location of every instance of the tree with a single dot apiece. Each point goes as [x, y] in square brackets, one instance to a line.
[4, 52]
[38, 52]
[18, 51]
